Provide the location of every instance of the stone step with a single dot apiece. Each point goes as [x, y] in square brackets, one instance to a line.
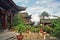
[8, 36]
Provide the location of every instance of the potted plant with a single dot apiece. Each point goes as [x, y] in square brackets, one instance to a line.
[19, 36]
[20, 29]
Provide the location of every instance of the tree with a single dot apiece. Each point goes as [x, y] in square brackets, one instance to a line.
[19, 24]
[44, 14]
[56, 31]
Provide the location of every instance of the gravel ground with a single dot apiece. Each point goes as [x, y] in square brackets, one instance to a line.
[35, 36]
[27, 36]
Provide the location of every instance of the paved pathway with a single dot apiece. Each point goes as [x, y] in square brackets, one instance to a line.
[36, 36]
[32, 36]
[12, 36]
[7, 36]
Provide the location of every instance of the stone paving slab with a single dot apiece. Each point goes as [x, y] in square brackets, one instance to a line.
[7, 36]
[12, 36]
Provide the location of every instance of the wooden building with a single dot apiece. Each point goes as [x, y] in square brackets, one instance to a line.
[26, 18]
[7, 11]
[47, 21]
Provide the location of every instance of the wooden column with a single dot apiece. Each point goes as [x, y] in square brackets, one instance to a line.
[4, 17]
[5, 21]
[13, 16]
[11, 19]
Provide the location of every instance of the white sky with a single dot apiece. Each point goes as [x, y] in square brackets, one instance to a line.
[35, 7]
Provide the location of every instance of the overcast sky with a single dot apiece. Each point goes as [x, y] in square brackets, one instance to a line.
[36, 7]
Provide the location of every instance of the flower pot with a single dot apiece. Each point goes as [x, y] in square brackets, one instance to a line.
[41, 30]
[20, 37]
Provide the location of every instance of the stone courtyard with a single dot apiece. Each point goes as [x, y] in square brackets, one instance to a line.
[32, 36]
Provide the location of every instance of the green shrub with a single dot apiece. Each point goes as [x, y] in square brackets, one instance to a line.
[56, 32]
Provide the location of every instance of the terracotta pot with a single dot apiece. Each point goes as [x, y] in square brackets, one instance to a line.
[41, 30]
[20, 37]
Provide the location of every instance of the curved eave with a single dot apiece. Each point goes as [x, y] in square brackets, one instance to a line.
[9, 4]
[4, 4]
[17, 7]
[21, 8]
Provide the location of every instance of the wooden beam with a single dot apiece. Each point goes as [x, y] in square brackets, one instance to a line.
[3, 11]
[4, 4]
